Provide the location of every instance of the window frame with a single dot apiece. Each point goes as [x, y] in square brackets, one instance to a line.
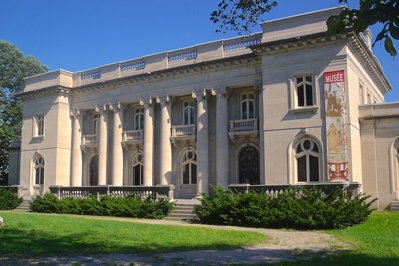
[307, 153]
[183, 162]
[191, 104]
[138, 111]
[38, 126]
[38, 168]
[248, 100]
[136, 161]
[294, 85]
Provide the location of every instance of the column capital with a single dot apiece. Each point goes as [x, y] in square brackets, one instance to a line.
[75, 113]
[163, 100]
[116, 107]
[199, 95]
[146, 102]
[100, 108]
[220, 92]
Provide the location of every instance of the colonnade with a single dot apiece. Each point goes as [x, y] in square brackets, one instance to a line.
[165, 149]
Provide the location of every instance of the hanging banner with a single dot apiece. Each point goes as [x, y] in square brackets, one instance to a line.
[336, 126]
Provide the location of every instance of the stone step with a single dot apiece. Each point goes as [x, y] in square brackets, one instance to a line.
[394, 206]
[183, 210]
[24, 206]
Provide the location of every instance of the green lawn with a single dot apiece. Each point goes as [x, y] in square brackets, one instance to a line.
[376, 242]
[27, 234]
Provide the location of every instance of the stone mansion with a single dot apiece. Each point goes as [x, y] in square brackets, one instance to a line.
[290, 105]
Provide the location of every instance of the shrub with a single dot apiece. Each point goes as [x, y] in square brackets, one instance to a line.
[297, 208]
[8, 199]
[130, 206]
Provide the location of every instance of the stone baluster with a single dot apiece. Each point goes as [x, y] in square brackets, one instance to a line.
[202, 143]
[166, 148]
[76, 160]
[148, 142]
[102, 144]
[117, 153]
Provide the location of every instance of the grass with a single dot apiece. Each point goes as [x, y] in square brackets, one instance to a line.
[30, 234]
[376, 242]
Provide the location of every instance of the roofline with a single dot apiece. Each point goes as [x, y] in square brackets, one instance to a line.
[304, 14]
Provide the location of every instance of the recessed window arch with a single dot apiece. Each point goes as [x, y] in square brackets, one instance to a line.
[137, 169]
[39, 169]
[247, 105]
[189, 167]
[138, 118]
[189, 112]
[248, 165]
[307, 155]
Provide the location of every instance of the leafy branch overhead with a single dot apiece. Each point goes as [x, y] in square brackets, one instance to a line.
[242, 15]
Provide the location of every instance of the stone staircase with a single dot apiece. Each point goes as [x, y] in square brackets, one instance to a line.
[183, 210]
[394, 206]
[24, 206]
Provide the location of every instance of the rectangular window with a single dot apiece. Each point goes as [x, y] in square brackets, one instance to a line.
[39, 125]
[304, 91]
[247, 106]
[189, 112]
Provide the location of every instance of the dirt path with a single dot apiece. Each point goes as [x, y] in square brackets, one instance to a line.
[284, 245]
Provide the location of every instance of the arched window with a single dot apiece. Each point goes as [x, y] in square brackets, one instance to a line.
[189, 167]
[189, 112]
[137, 165]
[39, 170]
[93, 171]
[95, 124]
[307, 154]
[138, 119]
[248, 165]
[247, 106]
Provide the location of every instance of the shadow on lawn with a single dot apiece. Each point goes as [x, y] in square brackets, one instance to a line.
[26, 243]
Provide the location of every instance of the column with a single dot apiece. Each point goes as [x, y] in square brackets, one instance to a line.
[76, 160]
[222, 139]
[117, 153]
[148, 142]
[165, 149]
[102, 145]
[202, 144]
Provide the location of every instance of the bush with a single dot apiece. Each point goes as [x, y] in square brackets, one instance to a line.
[130, 206]
[296, 208]
[9, 200]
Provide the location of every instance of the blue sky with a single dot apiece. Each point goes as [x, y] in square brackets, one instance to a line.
[81, 34]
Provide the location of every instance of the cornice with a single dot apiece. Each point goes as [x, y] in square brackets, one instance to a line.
[43, 92]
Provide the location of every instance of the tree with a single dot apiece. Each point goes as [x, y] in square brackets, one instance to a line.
[242, 15]
[14, 66]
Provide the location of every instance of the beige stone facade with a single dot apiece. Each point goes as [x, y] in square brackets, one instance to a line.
[250, 109]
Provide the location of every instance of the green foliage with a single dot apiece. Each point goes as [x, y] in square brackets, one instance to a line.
[297, 208]
[369, 13]
[130, 206]
[14, 67]
[242, 15]
[8, 199]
